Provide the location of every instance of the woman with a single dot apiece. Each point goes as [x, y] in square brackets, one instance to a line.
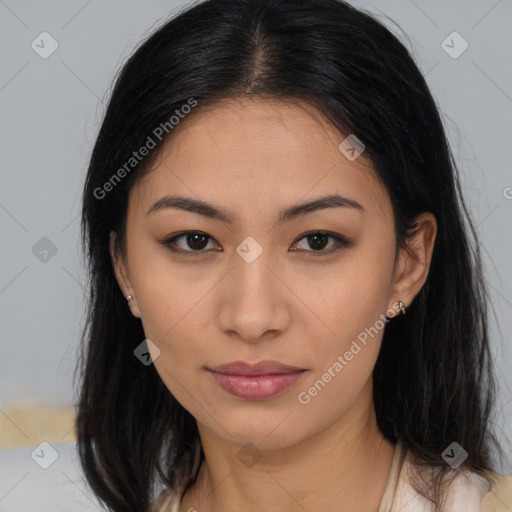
[286, 312]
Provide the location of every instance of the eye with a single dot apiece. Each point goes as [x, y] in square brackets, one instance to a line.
[318, 240]
[196, 241]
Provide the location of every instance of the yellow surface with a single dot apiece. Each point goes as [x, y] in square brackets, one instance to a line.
[499, 499]
[30, 425]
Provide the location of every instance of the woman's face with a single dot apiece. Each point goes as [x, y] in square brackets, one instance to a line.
[254, 287]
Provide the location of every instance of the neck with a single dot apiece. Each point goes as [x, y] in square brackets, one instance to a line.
[345, 467]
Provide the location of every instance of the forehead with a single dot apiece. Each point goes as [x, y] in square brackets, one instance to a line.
[255, 153]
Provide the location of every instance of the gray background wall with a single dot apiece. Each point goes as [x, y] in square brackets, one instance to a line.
[51, 109]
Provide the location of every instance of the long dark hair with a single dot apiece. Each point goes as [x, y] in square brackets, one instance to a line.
[433, 380]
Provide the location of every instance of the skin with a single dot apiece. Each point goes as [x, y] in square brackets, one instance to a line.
[255, 158]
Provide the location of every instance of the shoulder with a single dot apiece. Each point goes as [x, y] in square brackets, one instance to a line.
[467, 491]
[499, 497]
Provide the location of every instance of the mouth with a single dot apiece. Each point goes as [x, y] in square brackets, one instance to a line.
[259, 381]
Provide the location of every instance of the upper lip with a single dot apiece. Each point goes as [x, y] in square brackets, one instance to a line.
[259, 368]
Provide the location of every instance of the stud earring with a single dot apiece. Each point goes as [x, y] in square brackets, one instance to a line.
[401, 305]
[128, 298]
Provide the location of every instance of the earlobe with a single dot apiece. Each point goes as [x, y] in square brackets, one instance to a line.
[414, 261]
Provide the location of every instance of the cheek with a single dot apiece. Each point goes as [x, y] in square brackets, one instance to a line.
[167, 295]
[352, 302]
[174, 305]
[344, 361]
[352, 297]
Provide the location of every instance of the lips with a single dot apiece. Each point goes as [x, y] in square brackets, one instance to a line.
[258, 381]
[260, 368]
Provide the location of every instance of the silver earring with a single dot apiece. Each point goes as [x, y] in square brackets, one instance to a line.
[128, 298]
[401, 305]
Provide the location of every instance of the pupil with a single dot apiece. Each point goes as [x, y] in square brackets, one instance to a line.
[196, 238]
[315, 243]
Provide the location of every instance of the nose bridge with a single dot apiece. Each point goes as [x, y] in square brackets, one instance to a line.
[251, 303]
[253, 279]
[252, 260]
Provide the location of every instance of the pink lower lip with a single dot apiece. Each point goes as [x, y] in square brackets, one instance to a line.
[256, 387]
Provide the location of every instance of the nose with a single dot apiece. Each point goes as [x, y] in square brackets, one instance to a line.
[254, 302]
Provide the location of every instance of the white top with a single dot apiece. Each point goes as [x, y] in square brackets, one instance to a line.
[468, 492]
[465, 493]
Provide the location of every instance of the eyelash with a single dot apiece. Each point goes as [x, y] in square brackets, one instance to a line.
[341, 241]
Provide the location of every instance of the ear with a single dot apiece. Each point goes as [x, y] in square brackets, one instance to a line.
[122, 275]
[413, 262]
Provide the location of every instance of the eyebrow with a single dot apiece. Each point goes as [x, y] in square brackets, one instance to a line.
[214, 212]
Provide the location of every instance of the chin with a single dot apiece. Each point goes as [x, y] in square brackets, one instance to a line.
[264, 431]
